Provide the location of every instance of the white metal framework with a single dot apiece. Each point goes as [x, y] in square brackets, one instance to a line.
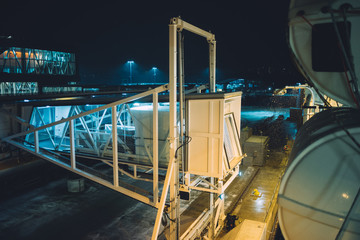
[99, 142]
[74, 134]
[177, 24]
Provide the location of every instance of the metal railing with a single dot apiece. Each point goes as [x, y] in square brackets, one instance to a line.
[66, 142]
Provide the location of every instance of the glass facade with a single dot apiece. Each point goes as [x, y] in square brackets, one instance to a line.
[18, 88]
[36, 61]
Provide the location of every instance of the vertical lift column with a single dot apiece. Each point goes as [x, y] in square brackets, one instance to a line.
[177, 25]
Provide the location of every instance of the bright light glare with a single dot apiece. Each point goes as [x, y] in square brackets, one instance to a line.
[130, 62]
[345, 195]
[154, 68]
[256, 114]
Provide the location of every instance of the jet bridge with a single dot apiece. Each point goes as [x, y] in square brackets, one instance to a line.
[148, 141]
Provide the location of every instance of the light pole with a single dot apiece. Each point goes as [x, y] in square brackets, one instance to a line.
[130, 70]
[154, 69]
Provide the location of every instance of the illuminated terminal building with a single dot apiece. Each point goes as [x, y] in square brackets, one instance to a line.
[26, 70]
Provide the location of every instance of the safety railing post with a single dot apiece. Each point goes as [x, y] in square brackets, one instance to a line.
[115, 147]
[72, 144]
[36, 141]
[155, 149]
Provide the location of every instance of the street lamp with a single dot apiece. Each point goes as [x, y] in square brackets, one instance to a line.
[154, 70]
[130, 70]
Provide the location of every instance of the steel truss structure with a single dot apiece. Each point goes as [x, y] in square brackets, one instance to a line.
[74, 134]
[101, 143]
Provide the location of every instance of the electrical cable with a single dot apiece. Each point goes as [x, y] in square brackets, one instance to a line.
[187, 141]
[302, 70]
[348, 61]
[348, 82]
[347, 31]
[346, 75]
[167, 215]
[306, 20]
[339, 122]
[182, 95]
[347, 36]
[301, 14]
[308, 79]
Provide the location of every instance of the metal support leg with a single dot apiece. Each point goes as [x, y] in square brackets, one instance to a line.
[72, 144]
[212, 224]
[36, 141]
[169, 175]
[155, 156]
[181, 100]
[174, 210]
[115, 147]
[219, 216]
[212, 65]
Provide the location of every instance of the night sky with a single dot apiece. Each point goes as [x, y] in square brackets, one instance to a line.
[250, 35]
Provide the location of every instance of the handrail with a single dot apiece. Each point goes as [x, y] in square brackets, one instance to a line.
[125, 100]
[37, 150]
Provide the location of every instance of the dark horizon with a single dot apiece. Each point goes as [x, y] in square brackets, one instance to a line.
[251, 36]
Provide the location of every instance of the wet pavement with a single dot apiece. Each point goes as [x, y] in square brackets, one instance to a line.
[260, 208]
[50, 212]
